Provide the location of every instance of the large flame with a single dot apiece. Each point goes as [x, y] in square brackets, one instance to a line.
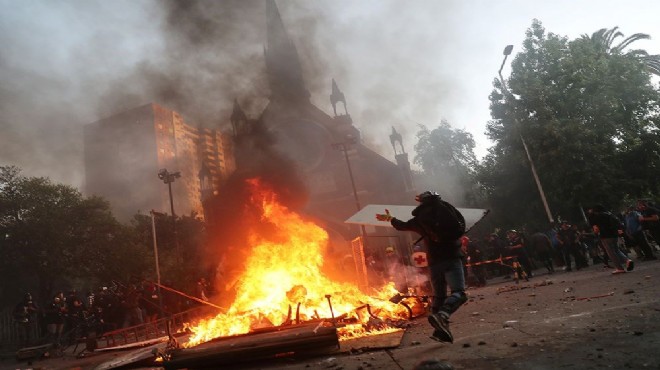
[283, 271]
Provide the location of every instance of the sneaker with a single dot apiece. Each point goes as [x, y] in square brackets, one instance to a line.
[440, 322]
[618, 271]
[440, 336]
[630, 265]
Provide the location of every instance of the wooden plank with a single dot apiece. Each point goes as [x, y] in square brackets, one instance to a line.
[378, 341]
[143, 356]
[133, 345]
[32, 352]
[296, 341]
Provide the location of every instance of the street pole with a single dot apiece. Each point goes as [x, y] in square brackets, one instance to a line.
[507, 51]
[153, 231]
[168, 178]
[344, 147]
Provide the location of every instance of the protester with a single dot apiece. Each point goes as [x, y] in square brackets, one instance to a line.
[569, 245]
[635, 232]
[497, 249]
[202, 288]
[54, 313]
[474, 258]
[395, 269]
[516, 246]
[131, 306]
[542, 246]
[607, 227]
[441, 226]
[25, 317]
[650, 219]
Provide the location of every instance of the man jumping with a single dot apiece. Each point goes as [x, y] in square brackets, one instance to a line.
[441, 226]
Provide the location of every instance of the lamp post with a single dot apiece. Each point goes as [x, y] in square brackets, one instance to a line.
[153, 231]
[507, 52]
[168, 178]
[344, 147]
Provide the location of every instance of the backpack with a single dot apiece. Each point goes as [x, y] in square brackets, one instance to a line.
[447, 225]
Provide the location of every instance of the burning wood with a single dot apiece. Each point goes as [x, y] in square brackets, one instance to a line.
[300, 341]
[284, 270]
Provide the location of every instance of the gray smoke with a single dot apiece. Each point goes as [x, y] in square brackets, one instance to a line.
[65, 64]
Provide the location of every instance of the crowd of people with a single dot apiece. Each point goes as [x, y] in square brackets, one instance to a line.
[456, 262]
[67, 317]
[611, 239]
[606, 238]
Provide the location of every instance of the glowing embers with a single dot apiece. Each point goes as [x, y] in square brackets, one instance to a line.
[282, 281]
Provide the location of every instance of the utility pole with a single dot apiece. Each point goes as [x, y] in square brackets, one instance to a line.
[507, 52]
[345, 147]
[153, 231]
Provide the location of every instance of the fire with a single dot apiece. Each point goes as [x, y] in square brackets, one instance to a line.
[283, 274]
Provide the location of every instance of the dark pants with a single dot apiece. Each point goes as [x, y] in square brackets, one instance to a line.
[546, 258]
[447, 274]
[521, 255]
[569, 250]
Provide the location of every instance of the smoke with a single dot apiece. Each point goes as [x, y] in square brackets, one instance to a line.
[68, 64]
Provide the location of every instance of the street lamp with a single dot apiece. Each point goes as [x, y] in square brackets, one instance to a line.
[168, 178]
[344, 147]
[507, 52]
[153, 232]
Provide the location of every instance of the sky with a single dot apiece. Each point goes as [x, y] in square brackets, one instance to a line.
[400, 64]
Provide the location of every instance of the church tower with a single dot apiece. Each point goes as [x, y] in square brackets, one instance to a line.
[402, 160]
[339, 172]
[282, 63]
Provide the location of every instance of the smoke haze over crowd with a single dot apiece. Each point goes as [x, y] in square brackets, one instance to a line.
[67, 63]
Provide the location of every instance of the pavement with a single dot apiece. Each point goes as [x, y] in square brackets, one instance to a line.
[588, 319]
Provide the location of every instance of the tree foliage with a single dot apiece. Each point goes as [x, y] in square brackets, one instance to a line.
[589, 115]
[604, 38]
[446, 155]
[51, 235]
[182, 257]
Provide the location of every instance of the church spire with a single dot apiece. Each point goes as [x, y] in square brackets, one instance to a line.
[282, 62]
[337, 96]
[239, 121]
[396, 137]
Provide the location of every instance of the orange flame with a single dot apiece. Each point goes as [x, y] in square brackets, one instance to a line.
[284, 270]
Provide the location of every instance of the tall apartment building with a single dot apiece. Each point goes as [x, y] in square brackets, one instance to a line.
[124, 152]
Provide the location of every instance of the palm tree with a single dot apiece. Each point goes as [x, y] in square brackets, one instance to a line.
[604, 38]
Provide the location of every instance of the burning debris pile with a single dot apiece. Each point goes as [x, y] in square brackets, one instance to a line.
[282, 283]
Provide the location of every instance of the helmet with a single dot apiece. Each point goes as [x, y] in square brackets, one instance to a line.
[389, 250]
[427, 195]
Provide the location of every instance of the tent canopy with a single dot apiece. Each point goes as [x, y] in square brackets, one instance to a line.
[367, 215]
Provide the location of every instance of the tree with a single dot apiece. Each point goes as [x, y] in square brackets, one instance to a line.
[192, 242]
[52, 234]
[603, 40]
[584, 115]
[447, 158]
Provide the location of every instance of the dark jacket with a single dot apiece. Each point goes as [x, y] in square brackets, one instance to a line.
[608, 224]
[440, 245]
